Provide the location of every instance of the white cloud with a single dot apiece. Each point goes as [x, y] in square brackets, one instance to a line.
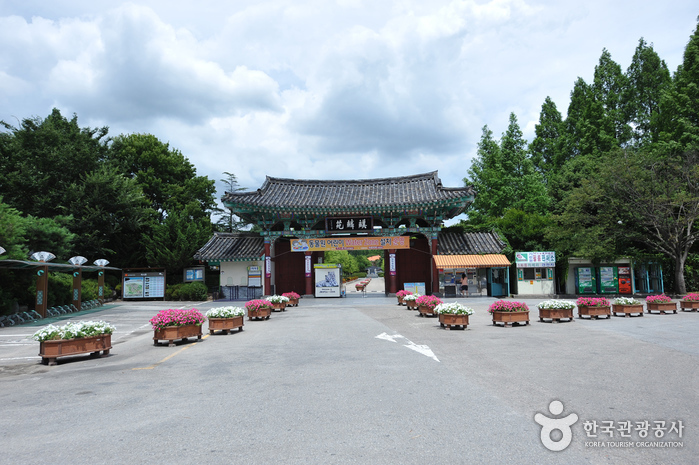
[317, 89]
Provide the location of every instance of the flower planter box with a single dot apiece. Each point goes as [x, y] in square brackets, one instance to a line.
[49, 351]
[689, 305]
[510, 318]
[279, 306]
[400, 300]
[171, 333]
[426, 311]
[594, 312]
[627, 310]
[662, 307]
[452, 321]
[411, 305]
[226, 324]
[292, 302]
[261, 314]
[555, 314]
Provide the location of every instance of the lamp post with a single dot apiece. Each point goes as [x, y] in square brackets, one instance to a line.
[42, 281]
[78, 261]
[100, 279]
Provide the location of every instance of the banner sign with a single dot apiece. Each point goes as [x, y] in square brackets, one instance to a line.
[268, 266]
[308, 266]
[535, 259]
[357, 223]
[350, 243]
[392, 264]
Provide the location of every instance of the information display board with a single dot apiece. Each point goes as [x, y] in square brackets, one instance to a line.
[143, 285]
[327, 279]
[193, 274]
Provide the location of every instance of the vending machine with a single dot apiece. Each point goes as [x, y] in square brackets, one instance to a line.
[608, 280]
[625, 280]
[585, 282]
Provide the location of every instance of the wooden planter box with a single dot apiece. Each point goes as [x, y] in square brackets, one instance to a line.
[226, 324]
[594, 312]
[453, 321]
[555, 314]
[510, 318]
[426, 311]
[627, 310]
[662, 307]
[689, 305]
[262, 314]
[400, 301]
[279, 306]
[49, 351]
[292, 302]
[171, 333]
[411, 304]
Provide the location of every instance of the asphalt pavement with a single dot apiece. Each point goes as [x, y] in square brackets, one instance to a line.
[356, 380]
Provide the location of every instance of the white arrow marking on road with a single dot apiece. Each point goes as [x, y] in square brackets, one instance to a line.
[423, 349]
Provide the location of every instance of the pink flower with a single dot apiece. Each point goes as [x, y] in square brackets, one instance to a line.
[508, 306]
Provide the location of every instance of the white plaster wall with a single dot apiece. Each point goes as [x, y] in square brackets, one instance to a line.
[536, 287]
[236, 273]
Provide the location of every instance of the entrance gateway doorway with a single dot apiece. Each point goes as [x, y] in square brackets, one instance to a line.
[401, 218]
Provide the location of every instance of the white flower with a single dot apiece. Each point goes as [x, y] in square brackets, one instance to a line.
[453, 309]
[277, 299]
[627, 301]
[557, 304]
[411, 297]
[225, 312]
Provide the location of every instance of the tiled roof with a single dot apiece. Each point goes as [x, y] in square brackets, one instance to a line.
[238, 246]
[454, 243]
[370, 194]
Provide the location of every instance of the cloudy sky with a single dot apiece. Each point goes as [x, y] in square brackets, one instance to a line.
[326, 89]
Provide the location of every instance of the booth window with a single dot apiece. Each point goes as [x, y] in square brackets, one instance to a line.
[529, 274]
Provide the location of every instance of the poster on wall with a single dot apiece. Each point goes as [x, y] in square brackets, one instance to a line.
[327, 280]
[254, 276]
[194, 274]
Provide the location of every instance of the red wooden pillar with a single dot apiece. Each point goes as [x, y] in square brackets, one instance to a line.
[268, 267]
[435, 271]
[77, 288]
[309, 272]
[392, 279]
[42, 290]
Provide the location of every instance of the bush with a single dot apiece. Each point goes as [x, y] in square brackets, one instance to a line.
[90, 290]
[188, 291]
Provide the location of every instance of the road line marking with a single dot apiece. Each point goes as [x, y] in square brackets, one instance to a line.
[169, 356]
[422, 349]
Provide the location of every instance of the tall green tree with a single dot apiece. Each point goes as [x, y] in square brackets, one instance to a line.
[608, 86]
[109, 213]
[487, 176]
[166, 177]
[647, 78]
[42, 158]
[227, 221]
[679, 115]
[546, 148]
[172, 243]
[176, 196]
